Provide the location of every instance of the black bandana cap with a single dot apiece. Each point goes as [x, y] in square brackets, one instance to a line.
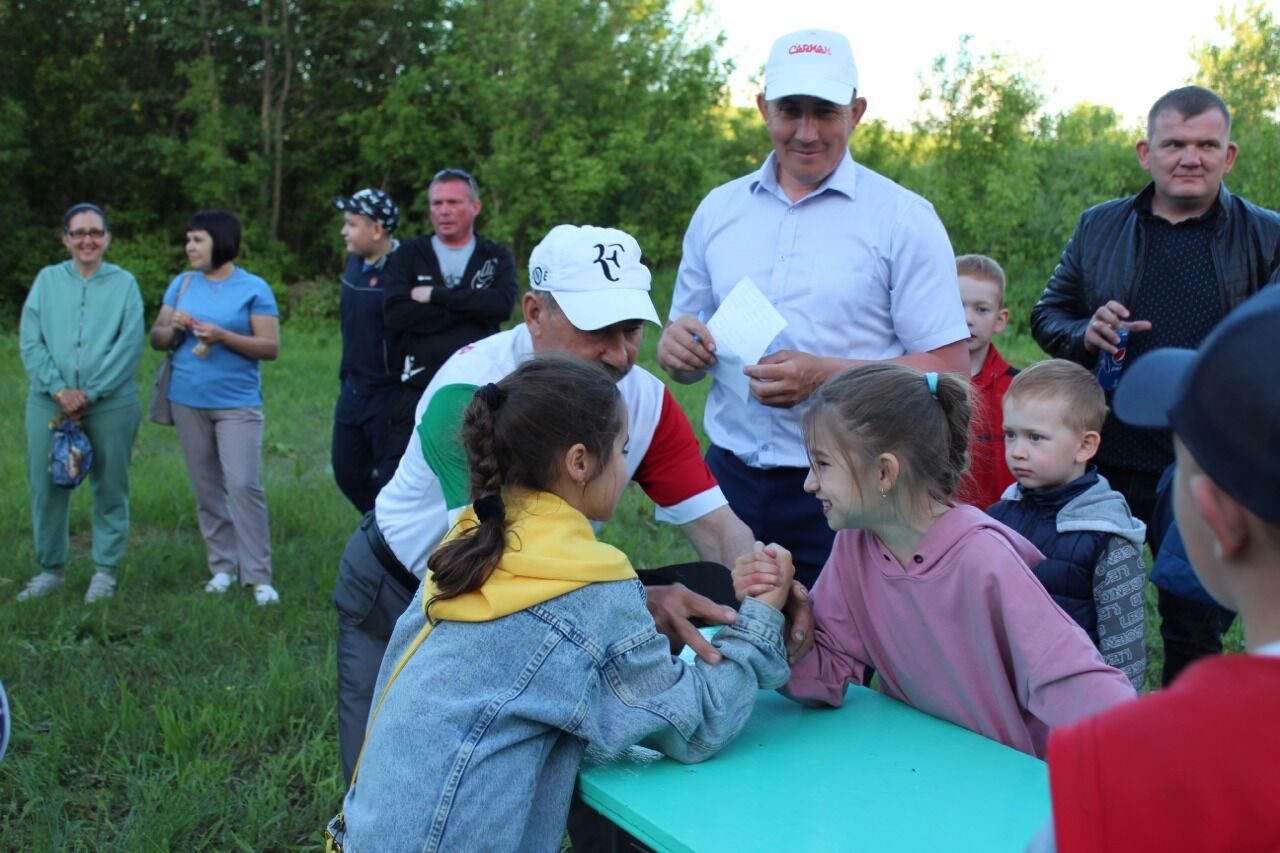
[374, 204]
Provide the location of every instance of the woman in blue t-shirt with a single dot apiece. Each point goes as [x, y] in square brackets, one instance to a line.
[222, 322]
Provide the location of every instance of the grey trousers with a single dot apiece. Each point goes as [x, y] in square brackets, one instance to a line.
[368, 601]
[223, 449]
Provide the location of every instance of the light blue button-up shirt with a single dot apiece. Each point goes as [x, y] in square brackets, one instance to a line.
[860, 268]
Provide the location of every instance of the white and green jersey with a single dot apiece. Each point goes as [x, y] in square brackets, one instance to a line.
[430, 487]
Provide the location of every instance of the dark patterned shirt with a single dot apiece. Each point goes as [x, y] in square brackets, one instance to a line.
[1180, 295]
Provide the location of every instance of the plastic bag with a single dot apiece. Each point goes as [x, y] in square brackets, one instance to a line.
[71, 456]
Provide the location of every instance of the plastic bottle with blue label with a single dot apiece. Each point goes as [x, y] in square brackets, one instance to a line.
[1109, 366]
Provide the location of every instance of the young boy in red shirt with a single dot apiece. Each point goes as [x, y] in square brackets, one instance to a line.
[1193, 767]
[982, 291]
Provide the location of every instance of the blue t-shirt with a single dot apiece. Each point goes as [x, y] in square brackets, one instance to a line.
[226, 379]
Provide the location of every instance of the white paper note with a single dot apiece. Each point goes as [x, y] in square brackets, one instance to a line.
[743, 327]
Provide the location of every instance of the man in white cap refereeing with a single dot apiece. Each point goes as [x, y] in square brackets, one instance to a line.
[860, 268]
[589, 298]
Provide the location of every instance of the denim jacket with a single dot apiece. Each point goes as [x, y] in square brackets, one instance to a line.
[477, 744]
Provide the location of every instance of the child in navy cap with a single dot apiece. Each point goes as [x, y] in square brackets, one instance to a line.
[1200, 756]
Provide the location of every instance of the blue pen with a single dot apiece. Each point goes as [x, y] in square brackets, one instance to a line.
[702, 318]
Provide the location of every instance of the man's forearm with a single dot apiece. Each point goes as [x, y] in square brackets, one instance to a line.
[952, 358]
[719, 536]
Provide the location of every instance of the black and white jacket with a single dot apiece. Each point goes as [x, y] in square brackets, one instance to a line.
[429, 332]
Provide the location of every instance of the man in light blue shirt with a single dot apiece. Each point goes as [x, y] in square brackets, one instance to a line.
[860, 267]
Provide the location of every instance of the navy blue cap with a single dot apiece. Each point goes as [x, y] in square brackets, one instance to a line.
[1222, 401]
[374, 204]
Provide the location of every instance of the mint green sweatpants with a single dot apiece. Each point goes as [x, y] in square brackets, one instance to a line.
[111, 430]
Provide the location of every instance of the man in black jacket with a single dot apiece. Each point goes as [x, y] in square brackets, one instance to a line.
[1168, 264]
[445, 290]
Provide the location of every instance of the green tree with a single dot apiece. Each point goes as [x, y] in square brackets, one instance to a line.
[981, 171]
[1007, 179]
[608, 112]
[565, 112]
[1245, 71]
[893, 153]
[155, 109]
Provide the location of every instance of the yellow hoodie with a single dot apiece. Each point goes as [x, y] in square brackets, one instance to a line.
[551, 550]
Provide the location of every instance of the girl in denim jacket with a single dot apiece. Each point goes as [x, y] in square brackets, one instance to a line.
[530, 643]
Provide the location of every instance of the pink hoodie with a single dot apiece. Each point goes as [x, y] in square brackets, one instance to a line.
[965, 632]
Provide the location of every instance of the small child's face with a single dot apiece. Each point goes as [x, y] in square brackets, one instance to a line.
[600, 496]
[983, 310]
[358, 233]
[1042, 452]
[832, 482]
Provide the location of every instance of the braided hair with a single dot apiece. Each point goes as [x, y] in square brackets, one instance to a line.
[515, 432]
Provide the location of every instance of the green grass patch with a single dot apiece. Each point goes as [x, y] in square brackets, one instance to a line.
[168, 718]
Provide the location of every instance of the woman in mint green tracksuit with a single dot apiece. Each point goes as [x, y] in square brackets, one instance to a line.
[81, 337]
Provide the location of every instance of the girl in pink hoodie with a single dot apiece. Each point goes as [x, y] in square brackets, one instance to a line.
[939, 599]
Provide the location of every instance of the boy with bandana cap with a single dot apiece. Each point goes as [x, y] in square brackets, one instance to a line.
[370, 365]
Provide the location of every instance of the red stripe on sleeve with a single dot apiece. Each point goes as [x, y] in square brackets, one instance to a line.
[673, 469]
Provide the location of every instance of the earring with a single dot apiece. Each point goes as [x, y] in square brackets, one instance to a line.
[884, 495]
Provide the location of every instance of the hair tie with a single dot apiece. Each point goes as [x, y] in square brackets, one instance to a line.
[490, 506]
[492, 395]
[931, 379]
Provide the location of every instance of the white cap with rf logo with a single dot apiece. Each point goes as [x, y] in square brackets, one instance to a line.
[595, 274]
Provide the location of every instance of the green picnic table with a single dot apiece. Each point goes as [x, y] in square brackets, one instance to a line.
[874, 775]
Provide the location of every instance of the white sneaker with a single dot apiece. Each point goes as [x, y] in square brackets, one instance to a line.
[265, 593]
[220, 583]
[102, 586]
[42, 584]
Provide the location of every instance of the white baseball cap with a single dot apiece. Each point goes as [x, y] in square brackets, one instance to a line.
[595, 274]
[818, 63]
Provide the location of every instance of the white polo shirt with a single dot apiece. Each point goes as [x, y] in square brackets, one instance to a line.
[429, 488]
[860, 268]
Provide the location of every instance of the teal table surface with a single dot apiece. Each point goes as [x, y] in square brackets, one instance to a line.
[873, 775]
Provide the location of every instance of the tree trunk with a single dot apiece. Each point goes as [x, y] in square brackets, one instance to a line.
[264, 112]
[281, 104]
[206, 50]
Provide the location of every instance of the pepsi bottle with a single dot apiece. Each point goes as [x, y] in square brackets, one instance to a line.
[1109, 366]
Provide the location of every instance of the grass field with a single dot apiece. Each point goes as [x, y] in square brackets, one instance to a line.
[168, 719]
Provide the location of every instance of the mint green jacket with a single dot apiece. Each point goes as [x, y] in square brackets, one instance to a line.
[83, 333]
